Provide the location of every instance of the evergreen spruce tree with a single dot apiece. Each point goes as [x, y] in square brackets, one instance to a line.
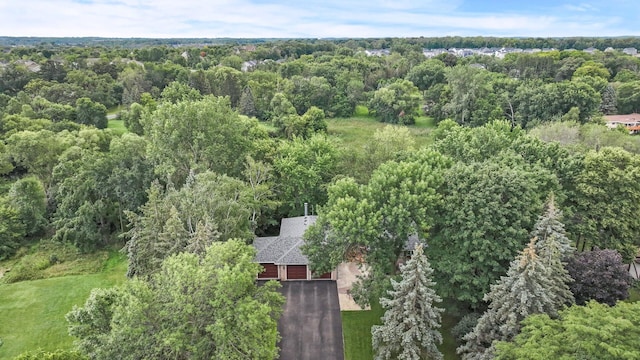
[553, 247]
[549, 226]
[609, 99]
[526, 289]
[246, 105]
[410, 323]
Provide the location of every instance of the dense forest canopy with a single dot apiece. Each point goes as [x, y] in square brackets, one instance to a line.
[220, 139]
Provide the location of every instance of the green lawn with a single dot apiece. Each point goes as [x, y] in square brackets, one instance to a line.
[117, 126]
[356, 330]
[355, 132]
[32, 312]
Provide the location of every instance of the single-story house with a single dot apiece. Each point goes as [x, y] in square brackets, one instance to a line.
[281, 257]
[630, 121]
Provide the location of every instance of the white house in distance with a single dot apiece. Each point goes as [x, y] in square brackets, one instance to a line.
[280, 256]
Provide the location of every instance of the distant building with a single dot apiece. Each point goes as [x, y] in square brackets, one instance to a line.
[378, 52]
[630, 51]
[630, 121]
[249, 65]
[30, 65]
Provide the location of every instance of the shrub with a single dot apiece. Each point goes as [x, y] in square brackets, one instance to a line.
[599, 275]
[465, 326]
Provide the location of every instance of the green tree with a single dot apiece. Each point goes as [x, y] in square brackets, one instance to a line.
[525, 290]
[549, 229]
[592, 68]
[226, 81]
[12, 230]
[246, 104]
[90, 113]
[389, 143]
[177, 91]
[397, 103]
[427, 74]
[132, 118]
[487, 211]
[94, 189]
[197, 136]
[474, 99]
[594, 331]
[607, 196]
[51, 355]
[629, 97]
[38, 151]
[27, 196]
[208, 208]
[609, 100]
[304, 168]
[377, 219]
[196, 307]
[411, 322]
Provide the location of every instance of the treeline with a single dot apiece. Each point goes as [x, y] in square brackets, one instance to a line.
[579, 43]
[262, 81]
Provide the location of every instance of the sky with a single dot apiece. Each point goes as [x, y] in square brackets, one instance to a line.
[318, 18]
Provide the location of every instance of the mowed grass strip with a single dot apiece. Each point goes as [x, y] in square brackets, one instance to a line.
[356, 330]
[32, 312]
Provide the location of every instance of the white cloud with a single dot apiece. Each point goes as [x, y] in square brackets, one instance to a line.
[310, 18]
[583, 7]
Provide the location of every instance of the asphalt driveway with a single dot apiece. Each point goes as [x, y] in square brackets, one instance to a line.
[311, 327]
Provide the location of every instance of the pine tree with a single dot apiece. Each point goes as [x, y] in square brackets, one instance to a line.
[549, 226]
[410, 323]
[246, 105]
[609, 99]
[526, 289]
[553, 247]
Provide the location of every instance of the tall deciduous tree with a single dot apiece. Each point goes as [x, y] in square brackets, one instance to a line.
[607, 199]
[397, 103]
[27, 196]
[594, 331]
[411, 322]
[525, 290]
[304, 168]
[197, 136]
[484, 221]
[12, 230]
[399, 201]
[207, 307]
[91, 113]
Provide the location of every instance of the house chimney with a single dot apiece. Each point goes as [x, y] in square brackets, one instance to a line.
[306, 209]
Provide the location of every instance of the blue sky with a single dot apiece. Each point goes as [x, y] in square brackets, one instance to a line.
[318, 18]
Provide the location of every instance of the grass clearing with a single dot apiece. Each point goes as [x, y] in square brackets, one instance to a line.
[117, 126]
[356, 330]
[356, 132]
[32, 312]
